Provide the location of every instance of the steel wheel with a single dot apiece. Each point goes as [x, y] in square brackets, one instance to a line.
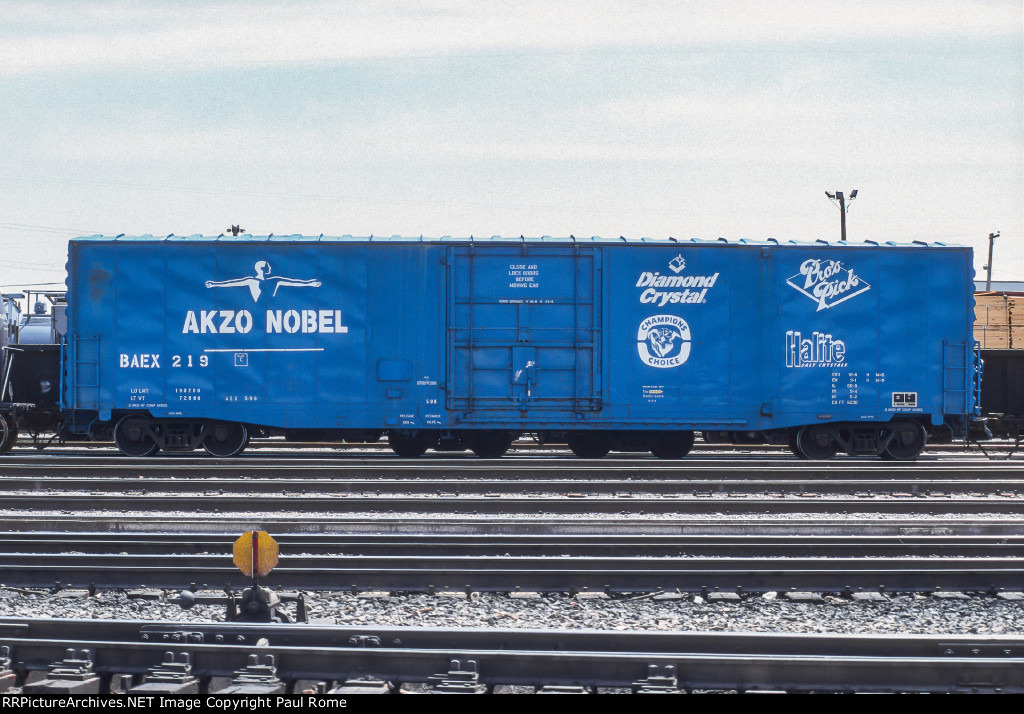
[490, 444]
[408, 447]
[816, 443]
[134, 436]
[589, 446]
[8, 433]
[672, 445]
[794, 446]
[225, 439]
[907, 442]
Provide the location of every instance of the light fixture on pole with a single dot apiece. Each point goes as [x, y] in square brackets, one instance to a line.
[988, 280]
[843, 208]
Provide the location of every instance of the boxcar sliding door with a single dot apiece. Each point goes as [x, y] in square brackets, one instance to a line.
[523, 330]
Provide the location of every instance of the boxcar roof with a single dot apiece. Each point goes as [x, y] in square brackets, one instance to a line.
[272, 238]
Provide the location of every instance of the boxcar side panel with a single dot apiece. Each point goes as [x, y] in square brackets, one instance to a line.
[825, 339]
[334, 333]
[673, 313]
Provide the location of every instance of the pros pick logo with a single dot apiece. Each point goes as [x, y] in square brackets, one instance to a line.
[663, 341]
[827, 282]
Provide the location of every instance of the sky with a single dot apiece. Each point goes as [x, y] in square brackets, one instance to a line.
[685, 118]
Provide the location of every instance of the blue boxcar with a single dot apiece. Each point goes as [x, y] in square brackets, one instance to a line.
[177, 343]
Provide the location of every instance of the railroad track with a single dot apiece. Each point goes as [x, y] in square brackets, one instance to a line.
[712, 526]
[145, 658]
[534, 486]
[740, 478]
[965, 545]
[824, 573]
[62, 462]
[258, 506]
[510, 563]
[277, 524]
[668, 485]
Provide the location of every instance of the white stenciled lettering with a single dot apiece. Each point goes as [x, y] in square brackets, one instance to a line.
[663, 297]
[243, 321]
[273, 322]
[305, 321]
[228, 322]
[139, 361]
[309, 320]
[694, 288]
[657, 280]
[226, 328]
[292, 321]
[819, 350]
[203, 325]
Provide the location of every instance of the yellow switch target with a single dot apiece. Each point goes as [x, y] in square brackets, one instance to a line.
[255, 553]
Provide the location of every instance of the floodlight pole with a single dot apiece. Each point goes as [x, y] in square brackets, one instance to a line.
[991, 241]
[842, 216]
[838, 195]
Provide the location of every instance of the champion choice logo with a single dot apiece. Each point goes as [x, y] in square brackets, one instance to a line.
[827, 282]
[663, 341]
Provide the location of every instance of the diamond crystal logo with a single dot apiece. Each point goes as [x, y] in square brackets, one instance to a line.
[695, 287]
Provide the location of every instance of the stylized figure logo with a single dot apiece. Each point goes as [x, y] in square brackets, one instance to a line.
[263, 279]
[663, 341]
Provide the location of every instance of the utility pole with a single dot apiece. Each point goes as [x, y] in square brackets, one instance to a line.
[991, 241]
[843, 208]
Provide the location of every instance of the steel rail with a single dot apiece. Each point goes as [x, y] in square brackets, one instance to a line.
[577, 640]
[553, 574]
[498, 505]
[278, 524]
[415, 485]
[536, 658]
[11, 563]
[442, 469]
[615, 545]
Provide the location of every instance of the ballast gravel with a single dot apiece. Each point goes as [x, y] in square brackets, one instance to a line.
[768, 612]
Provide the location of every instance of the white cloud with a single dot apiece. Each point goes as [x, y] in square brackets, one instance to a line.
[647, 146]
[757, 128]
[89, 35]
